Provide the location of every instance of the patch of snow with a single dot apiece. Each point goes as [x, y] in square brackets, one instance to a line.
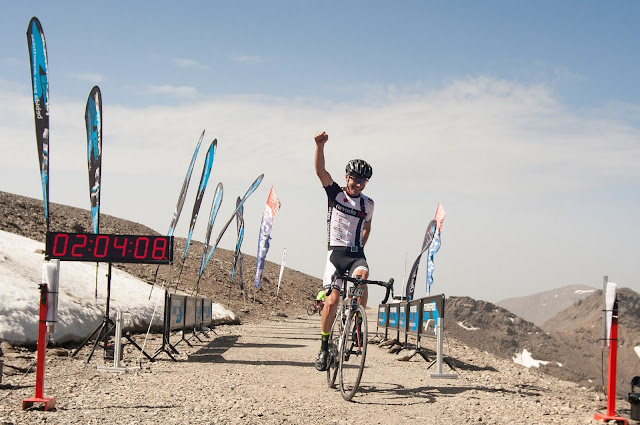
[559, 364]
[637, 350]
[585, 291]
[512, 319]
[526, 360]
[467, 327]
[79, 311]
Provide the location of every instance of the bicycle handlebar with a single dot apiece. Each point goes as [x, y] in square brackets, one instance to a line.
[358, 280]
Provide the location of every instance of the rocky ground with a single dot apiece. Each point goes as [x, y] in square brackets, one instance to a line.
[262, 373]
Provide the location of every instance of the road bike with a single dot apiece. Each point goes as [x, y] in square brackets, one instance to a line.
[348, 337]
[315, 308]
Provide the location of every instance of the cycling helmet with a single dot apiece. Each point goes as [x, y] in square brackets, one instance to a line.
[359, 168]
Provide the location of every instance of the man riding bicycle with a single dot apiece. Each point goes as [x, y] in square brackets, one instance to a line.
[349, 225]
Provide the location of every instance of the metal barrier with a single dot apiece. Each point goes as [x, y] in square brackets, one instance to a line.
[184, 314]
[421, 318]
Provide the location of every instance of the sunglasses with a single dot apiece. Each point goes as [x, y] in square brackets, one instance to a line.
[358, 180]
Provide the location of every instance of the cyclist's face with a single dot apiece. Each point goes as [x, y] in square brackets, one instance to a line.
[355, 185]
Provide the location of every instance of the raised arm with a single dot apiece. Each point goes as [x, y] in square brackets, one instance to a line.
[325, 178]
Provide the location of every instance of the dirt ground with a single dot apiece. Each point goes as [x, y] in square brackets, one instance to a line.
[262, 373]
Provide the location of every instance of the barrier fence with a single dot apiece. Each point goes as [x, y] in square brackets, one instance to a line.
[187, 315]
[421, 318]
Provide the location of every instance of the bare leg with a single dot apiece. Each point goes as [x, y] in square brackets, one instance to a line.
[329, 310]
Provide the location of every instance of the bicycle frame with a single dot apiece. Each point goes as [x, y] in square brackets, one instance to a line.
[349, 331]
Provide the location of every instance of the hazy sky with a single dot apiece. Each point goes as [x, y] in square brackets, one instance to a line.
[522, 119]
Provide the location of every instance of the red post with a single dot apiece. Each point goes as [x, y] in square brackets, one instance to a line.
[611, 377]
[49, 402]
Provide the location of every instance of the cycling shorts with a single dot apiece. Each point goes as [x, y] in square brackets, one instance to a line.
[343, 261]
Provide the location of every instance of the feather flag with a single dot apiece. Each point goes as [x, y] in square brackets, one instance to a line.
[435, 247]
[239, 205]
[183, 191]
[204, 179]
[215, 206]
[181, 198]
[284, 258]
[40, 86]
[237, 257]
[430, 234]
[93, 120]
[428, 238]
[272, 207]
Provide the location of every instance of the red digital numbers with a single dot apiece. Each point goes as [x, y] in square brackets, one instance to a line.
[159, 250]
[98, 251]
[56, 244]
[123, 246]
[139, 242]
[110, 248]
[76, 246]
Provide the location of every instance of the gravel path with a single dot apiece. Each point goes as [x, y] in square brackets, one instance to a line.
[262, 373]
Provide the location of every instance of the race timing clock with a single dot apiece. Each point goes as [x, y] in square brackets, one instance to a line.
[103, 248]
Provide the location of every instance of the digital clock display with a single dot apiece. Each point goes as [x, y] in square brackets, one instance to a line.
[109, 248]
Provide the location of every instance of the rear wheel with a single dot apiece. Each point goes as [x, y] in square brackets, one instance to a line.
[334, 350]
[353, 351]
[311, 310]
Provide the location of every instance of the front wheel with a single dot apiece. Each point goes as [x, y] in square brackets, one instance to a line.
[311, 310]
[334, 350]
[353, 351]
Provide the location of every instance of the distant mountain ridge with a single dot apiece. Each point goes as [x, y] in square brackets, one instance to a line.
[569, 343]
[540, 307]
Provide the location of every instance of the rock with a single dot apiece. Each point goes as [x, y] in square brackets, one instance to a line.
[388, 343]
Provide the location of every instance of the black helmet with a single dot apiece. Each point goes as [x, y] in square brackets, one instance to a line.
[359, 168]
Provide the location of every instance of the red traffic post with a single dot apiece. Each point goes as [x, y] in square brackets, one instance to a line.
[611, 377]
[49, 402]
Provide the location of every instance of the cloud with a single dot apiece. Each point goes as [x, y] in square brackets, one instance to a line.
[248, 59]
[176, 91]
[187, 63]
[93, 78]
[512, 165]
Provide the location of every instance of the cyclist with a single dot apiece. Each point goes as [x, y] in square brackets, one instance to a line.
[320, 298]
[349, 226]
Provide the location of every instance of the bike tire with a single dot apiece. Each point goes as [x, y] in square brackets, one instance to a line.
[352, 353]
[334, 350]
[311, 310]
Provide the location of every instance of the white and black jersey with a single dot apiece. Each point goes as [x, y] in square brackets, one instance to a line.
[346, 217]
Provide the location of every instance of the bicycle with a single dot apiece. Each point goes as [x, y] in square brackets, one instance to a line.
[348, 337]
[315, 308]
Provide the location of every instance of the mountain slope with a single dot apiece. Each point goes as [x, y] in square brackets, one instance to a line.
[538, 308]
[581, 325]
[23, 216]
[568, 344]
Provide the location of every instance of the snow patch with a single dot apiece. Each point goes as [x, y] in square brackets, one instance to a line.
[526, 360]
[512, 319]
[584, 291]
[467, 327]
[79, 311]
[637, 350]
